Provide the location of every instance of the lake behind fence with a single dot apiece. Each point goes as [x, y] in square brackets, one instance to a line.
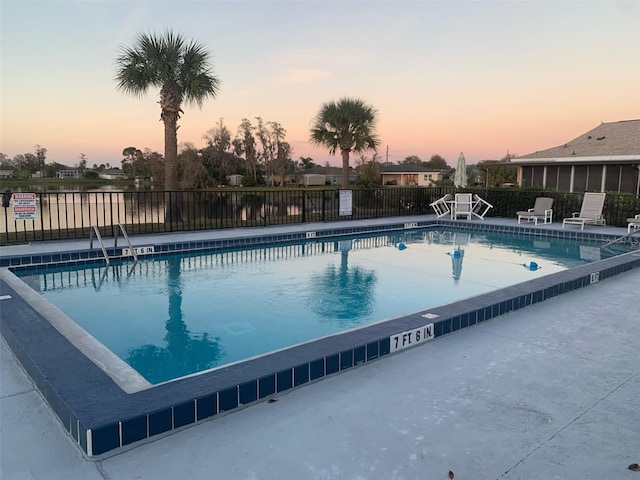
[71, 215]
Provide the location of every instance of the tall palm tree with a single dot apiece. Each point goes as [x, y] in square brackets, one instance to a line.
[182, 71]
[347, 125]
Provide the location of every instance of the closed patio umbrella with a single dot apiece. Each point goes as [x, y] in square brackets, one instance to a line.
[460, 178]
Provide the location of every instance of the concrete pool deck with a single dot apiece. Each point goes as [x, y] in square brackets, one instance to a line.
[551, 391]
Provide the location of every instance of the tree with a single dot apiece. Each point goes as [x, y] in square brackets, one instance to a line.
[132, 157]
[437, 162]
[347, 125]
[217, 156]
[182, 71]
[152, 166]
[496, 173]
[41, 156]
[276, 152]
[82, 164]
[244, 145]
[369, 171]
[304, 163]
[412, 160]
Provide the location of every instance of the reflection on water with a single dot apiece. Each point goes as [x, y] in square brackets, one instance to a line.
[87, 187]
[341, 293]
[184, 352]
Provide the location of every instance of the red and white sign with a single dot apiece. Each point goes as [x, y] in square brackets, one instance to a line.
[24, 206]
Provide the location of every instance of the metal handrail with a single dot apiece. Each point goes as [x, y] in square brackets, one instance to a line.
[126, 237]
[615, 240]
[94, 229]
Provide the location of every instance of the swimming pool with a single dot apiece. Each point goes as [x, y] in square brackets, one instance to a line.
[180, 314]
[103, 416]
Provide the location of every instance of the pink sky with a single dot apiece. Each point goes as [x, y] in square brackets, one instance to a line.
[481, 78]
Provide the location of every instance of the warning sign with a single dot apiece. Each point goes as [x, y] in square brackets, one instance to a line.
[24, 206]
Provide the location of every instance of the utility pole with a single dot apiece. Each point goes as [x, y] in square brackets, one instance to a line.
[386, 163]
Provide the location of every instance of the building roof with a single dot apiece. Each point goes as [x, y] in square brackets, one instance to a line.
[406, 168]
[614, 139]
[335, 171]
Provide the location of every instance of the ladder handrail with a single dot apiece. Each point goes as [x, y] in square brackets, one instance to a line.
[126, 237]
[94, 229]
[620, 238]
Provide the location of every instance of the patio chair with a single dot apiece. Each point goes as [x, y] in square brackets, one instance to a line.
[462, 206]
[480, 207]
[634, 222]
[590, 212]
[541, 211]
[441, 206]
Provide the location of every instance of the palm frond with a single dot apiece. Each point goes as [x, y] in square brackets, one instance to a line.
[180, 69]
[346, 125]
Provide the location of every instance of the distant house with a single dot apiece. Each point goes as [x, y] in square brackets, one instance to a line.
[112, 174]
[7, 172]
[409, 175]
[312, 179]
[235, 180]
[331, 175]
[604, 159]
[68, 174]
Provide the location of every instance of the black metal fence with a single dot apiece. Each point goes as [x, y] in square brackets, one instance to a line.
[71, 215]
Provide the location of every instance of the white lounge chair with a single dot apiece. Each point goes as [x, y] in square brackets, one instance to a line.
[634, 223]
[541, 211]
[441, 206]
[480, 207]
[590, 212]
[462, 206]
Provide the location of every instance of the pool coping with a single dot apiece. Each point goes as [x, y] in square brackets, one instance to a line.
[104, 420]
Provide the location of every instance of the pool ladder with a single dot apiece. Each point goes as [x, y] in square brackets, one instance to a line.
[620, 238]
[96, 232]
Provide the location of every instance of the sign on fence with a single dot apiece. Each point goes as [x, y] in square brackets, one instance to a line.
[346, 202]
[24, 206]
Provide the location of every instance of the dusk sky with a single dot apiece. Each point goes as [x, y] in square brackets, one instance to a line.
[479, 77]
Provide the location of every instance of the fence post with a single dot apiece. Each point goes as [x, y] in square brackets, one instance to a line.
[41, 217]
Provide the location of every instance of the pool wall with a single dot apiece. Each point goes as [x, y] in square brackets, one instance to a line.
[103, 419]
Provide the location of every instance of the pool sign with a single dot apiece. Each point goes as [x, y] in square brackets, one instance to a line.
[411, 337]
[24, 206]
[346, 203]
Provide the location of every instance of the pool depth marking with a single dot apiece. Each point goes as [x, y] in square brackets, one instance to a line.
[127, 252]
[411, 337]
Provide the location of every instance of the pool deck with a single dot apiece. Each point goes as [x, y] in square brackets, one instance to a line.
[549, 391]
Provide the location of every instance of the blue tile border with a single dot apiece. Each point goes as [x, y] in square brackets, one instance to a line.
[102, 423]
[95, 255]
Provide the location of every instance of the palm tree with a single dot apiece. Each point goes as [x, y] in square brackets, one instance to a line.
[347, 125]
[182, 71]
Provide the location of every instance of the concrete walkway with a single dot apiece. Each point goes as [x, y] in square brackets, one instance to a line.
[551, 391]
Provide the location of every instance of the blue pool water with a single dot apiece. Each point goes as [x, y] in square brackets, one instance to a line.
[174, 315]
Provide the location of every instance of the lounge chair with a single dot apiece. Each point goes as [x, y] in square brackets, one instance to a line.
[634, 223]
[480, 207]
[441, 206]
[462, 206]
[590, 212]
[541, 211]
